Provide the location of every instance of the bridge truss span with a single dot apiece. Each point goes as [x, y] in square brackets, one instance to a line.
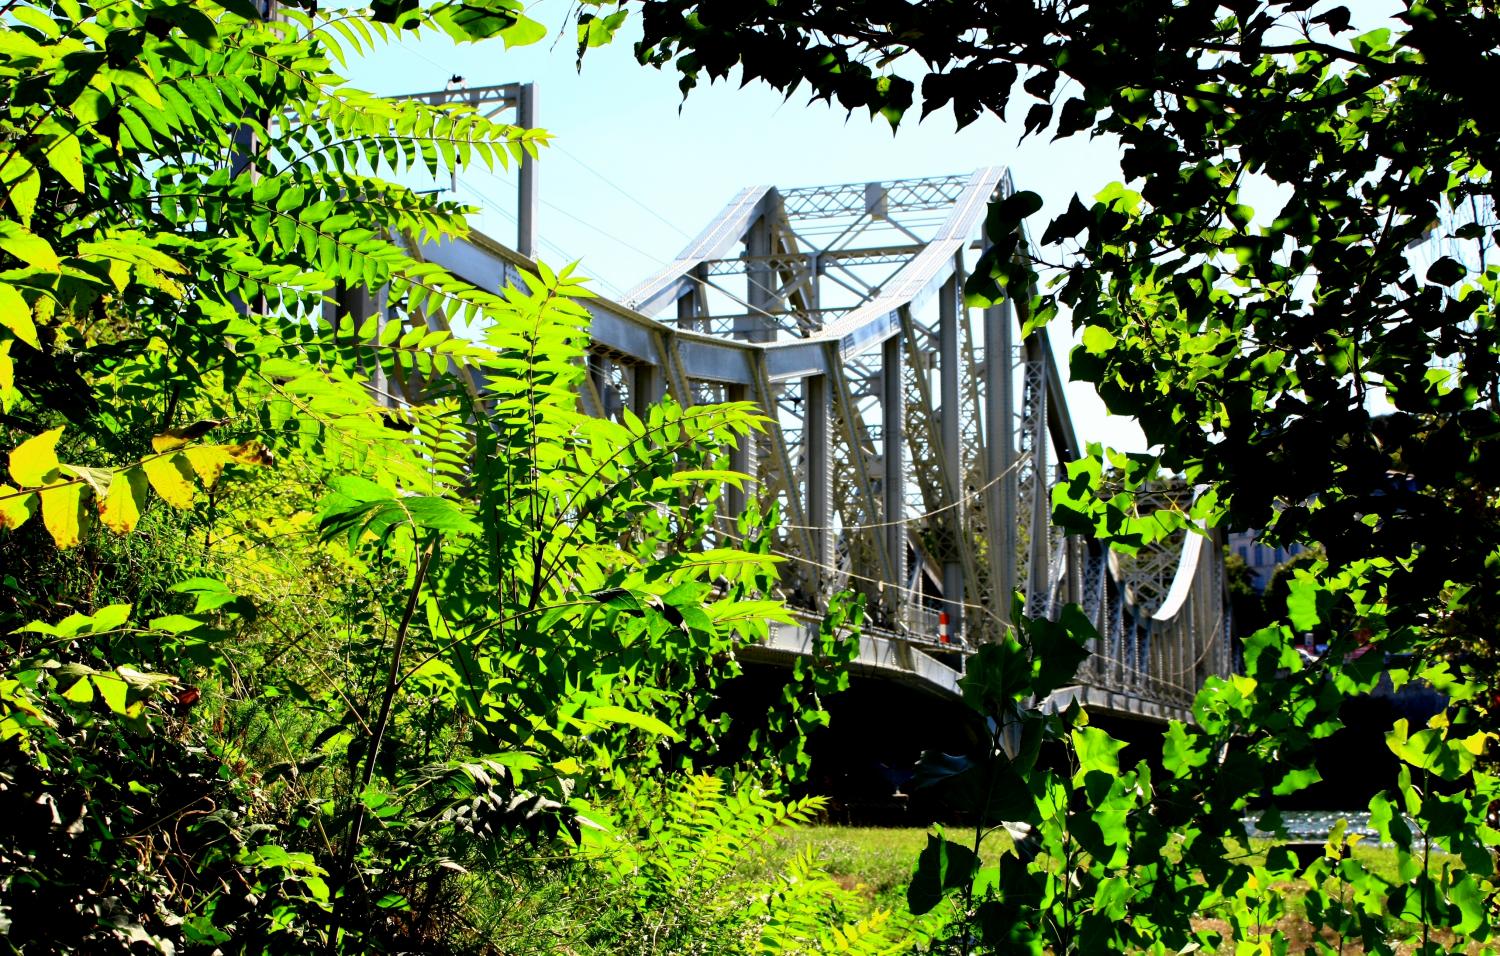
[914, 441]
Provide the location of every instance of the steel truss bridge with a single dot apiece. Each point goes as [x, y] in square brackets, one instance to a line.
[914, 442]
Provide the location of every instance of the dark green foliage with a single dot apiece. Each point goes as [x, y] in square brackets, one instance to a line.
[310, 611]
[1251, 347]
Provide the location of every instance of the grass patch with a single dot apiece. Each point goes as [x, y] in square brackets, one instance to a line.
[878, 862]
[875, 861]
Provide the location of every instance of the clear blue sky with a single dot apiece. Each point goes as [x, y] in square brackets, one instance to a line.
[636, 171]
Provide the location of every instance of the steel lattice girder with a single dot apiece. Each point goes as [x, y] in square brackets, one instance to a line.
[878, 412]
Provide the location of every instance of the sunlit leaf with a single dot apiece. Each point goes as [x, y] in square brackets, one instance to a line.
[121, 510]
[63, 513]
[172, 478]
[34, 462]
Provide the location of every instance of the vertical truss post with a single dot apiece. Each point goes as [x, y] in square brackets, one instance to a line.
[893, 484]
[647, 386]
[526, 195]
[949, 372]
[1036, 424]
[1000, 449]
[742, 459]
[817, 443]
[688, 311]
[760, 277]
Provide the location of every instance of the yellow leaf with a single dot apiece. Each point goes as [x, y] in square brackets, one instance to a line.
[127, 495]
[15, 506]
[82, 692]
[62, 513]
[172, 479]
[23, 194]
[15, 314]
[208, 461]
[7, 377]
[33, 461]
[180, 435]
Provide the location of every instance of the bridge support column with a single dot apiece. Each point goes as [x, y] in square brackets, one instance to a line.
[893, 481]
[817, 444]
[742, 459]
[1000, 452]
[647, 387]
[950, 371]
[687, 305]
[526, 199]
[760, 277]
[1037, 584]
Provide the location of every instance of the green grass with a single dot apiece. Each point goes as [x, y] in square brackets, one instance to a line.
[876, 861]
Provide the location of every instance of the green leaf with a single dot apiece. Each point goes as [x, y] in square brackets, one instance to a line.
[941, 868]
[524, 32]
[1096, 750]
[30, 248]
[1098, 341]
[15, 314]
[611, 714]
[65, 156]
[114, 690]
[24, 193]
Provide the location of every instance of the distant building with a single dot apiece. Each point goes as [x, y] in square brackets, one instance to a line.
[1262, 559]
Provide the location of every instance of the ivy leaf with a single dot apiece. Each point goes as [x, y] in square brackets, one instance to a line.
[1182, 752]
[1096, 750]
[996, 676]
[121, 509]
[34, 462]
[62, 513]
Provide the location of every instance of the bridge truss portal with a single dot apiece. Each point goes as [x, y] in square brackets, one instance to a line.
[914, 442]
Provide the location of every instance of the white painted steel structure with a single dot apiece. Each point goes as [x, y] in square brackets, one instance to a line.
[913, 446]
